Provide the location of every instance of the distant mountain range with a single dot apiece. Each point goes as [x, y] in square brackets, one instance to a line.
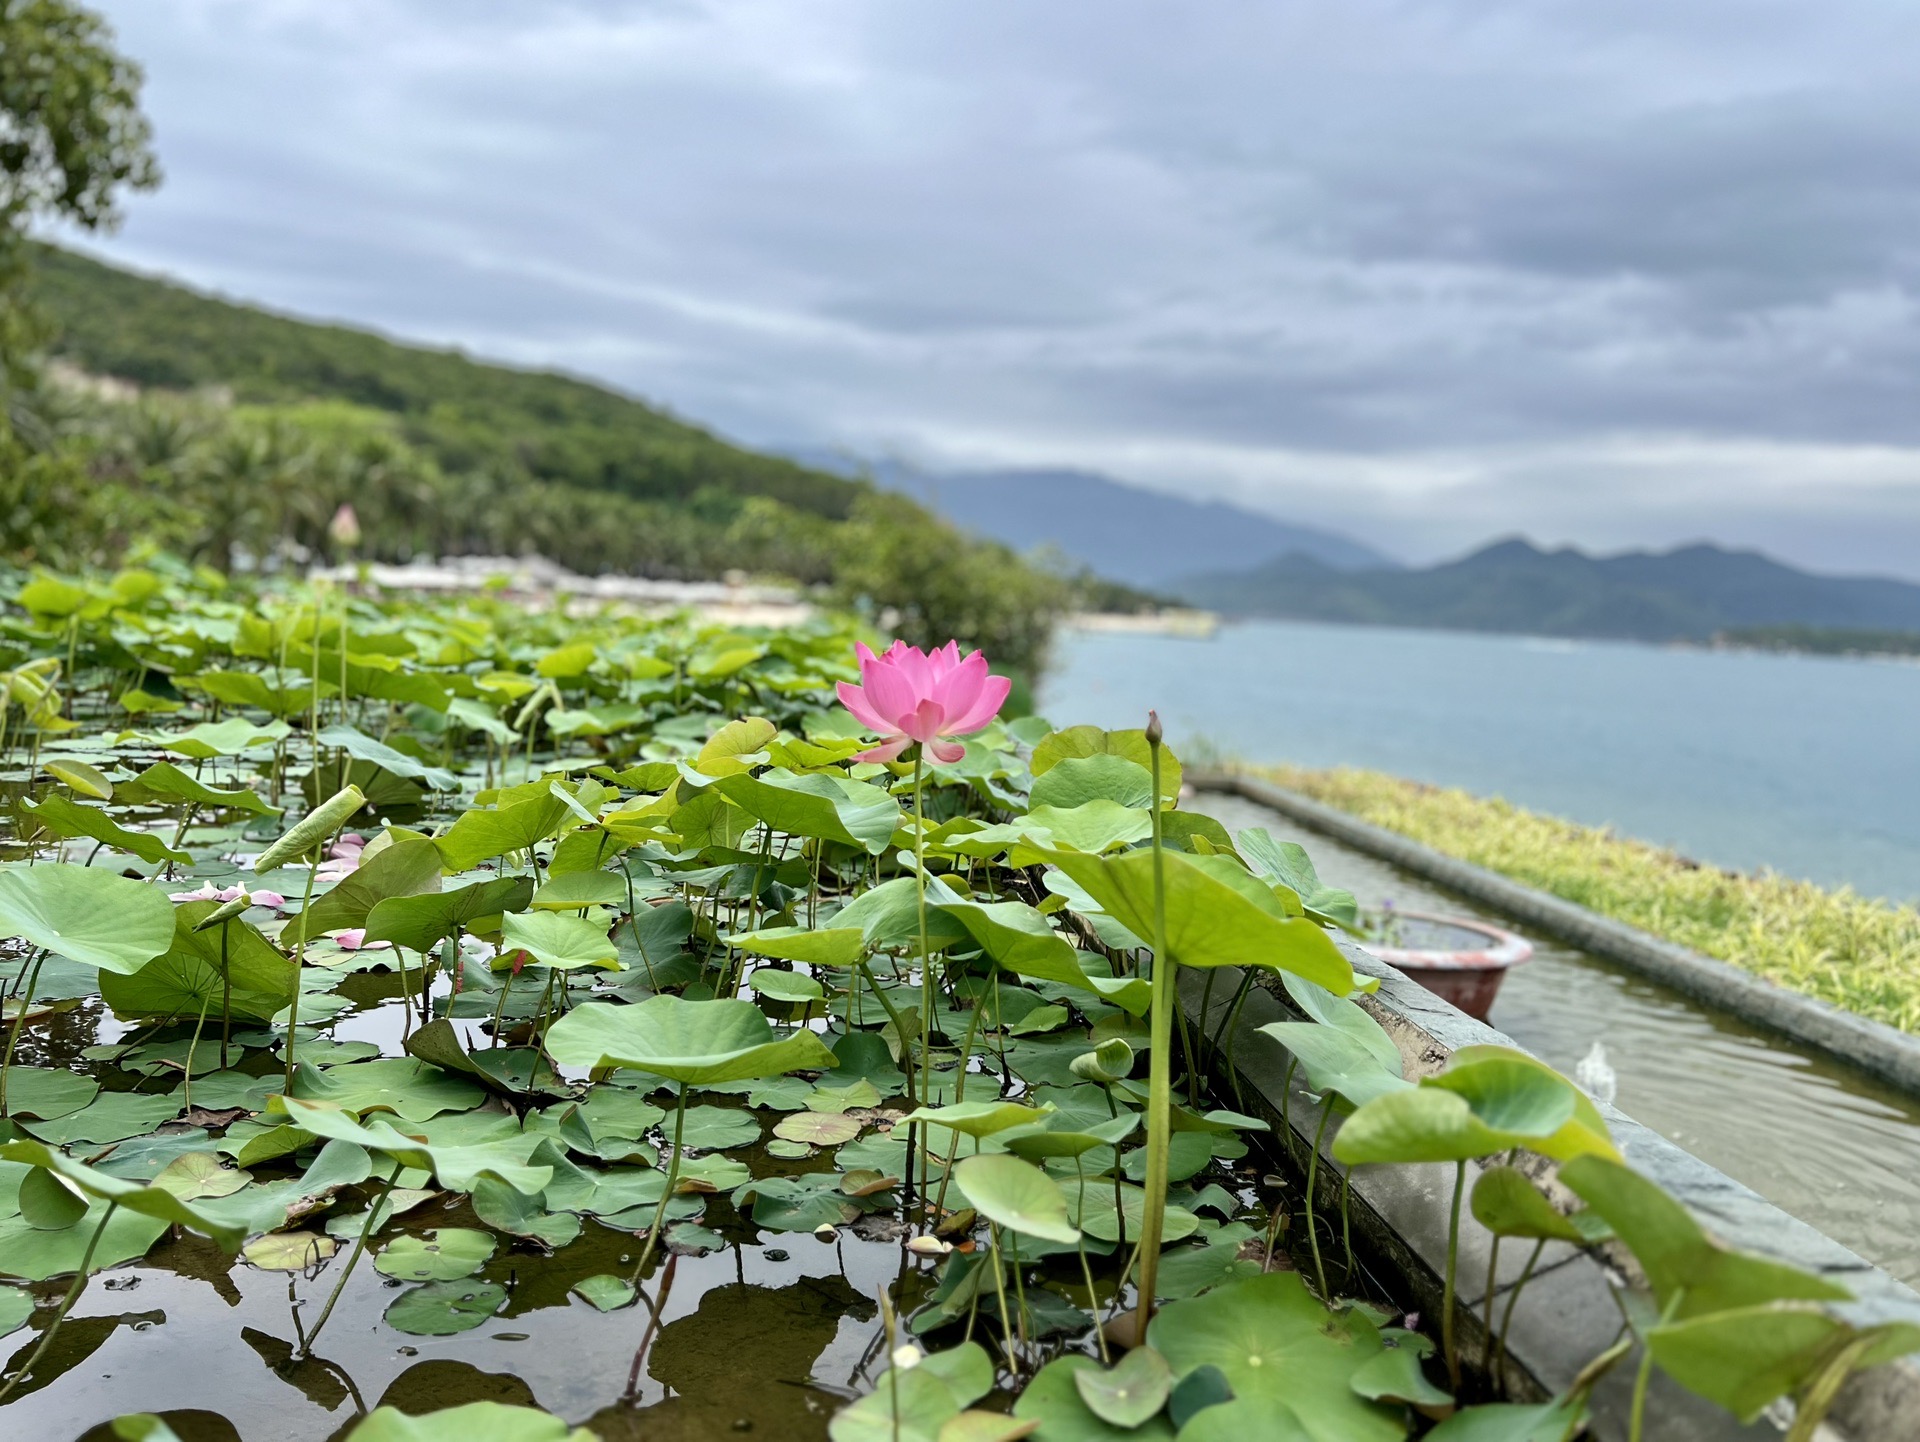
[1689, 594]
[1125, 533]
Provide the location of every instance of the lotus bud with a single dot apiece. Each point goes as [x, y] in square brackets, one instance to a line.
[907, 1356]
[344, 528]
[314, 828]
[826, 1232]
[1154, 733]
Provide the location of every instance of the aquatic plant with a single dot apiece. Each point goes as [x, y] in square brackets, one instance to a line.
[664, 951]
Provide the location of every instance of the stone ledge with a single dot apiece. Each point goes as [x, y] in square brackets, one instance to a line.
[1566, 1315]
[1883, 1052]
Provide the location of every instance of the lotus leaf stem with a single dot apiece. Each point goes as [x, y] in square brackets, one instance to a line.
[359, 1246]
[1447, 1342]
[66, 1304]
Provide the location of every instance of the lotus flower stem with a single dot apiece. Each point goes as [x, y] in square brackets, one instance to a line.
[1159, 1062]
[1086, 1267]
[299, 967]
[926, 957]
[25, 1003]
[1447, 1343]
[359, 1246]
[66, 1304]
[1493, 1278]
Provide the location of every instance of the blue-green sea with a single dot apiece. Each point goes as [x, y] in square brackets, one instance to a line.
[1806, 765]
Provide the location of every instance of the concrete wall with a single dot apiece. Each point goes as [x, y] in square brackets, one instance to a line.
[1567, 1314]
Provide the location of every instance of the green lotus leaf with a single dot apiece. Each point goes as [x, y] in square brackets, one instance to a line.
[480, 835]
[289, 1251]
[420, 923]
[691, 1042]
[47, 1092]
[80, 778]
[1016, 1195]
[837, 947]
[1336, 1062]
[605, 1293]
[230, 737]
[823, 805]
[147, 1199]
[1689, 1271]
[1507, 1203]
[165, 783]
[979, 1119]
[818, 1129]
[1218, 914]
[70, 820]
[789, 986]
[1080, 741]
[443, 1255]
[16, 1305]
[92, 917]
[229, 969]
[412, 1088]
[363, 747]
[556, 939]
[404, 869]
[442, 1309]
[1135, 1389]
[1512, 1422]
[1284, 1355]
[37, 1255]
[577, 890]
[1053, 1399]
[458, 1168]
[717, 1128]
[471, 1422]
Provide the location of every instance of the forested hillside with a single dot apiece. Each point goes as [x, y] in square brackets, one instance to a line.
[465, 414]
[245, 432]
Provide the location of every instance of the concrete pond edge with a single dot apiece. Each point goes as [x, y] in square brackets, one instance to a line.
[1880, 1051]
[1567, 1314]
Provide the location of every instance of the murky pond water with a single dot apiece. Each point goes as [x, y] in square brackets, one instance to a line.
[1827, 1144]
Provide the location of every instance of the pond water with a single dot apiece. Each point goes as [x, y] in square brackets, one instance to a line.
[1829, 1145]
[1803, 764]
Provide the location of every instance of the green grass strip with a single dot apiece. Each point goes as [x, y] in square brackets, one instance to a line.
[1841, 947]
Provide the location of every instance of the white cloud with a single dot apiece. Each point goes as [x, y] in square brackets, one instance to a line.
[1631, 273]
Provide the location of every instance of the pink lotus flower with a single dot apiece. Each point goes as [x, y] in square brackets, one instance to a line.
[910, 695]
[354, 938]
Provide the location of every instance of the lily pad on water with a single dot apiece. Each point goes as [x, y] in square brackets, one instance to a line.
[444, 1255]
[1284, 1354]
[473, 1422]
[16, 1305]
[112, 1117]
[441, 1309]
[412, 1088]
[47, 1092]
[1053, 1399]
[289, 1251]
[713, 1129]
[1135, 1389]
[605, 1293]
[506, 1209]
[819, 1129]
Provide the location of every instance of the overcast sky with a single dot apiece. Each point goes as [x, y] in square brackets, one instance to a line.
[1614, 272]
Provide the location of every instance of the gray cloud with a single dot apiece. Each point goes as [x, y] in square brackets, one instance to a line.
[1619, 273]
